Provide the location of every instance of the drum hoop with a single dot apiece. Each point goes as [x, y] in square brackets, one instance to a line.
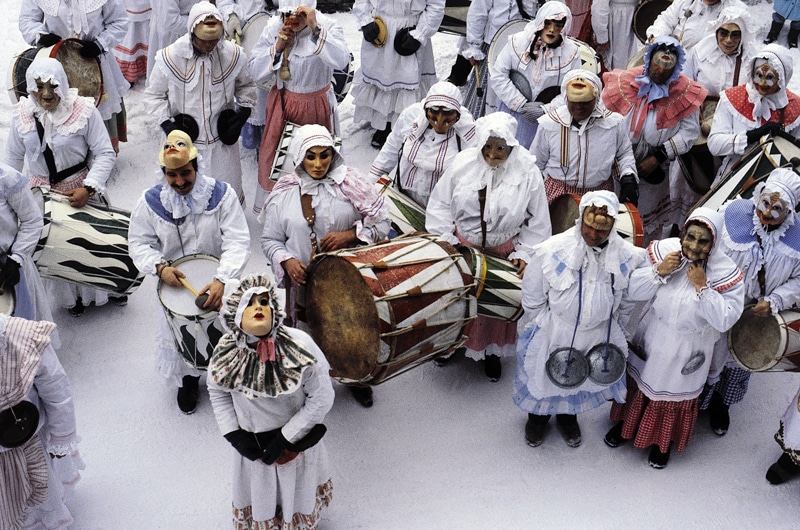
[638, 224]
[183, 259]
[502, 34]
[54, 51]
[778, 321]
[634, 28]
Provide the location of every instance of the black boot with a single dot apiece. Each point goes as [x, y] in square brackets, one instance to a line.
[782, 470]
[363, 395]
[492, 367]
[718, 415]
[570, 430]
[379, 138]
[657, 459]
[460, 71]
[535, 429]
[774, 30]
[188, 394]
[614, 435]
[793, 34]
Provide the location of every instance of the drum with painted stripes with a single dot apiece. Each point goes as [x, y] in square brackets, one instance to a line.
[497, 286]
[406, 215]
[283, 162]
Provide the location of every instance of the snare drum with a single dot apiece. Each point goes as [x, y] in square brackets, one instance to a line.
[406, 215]
[83, 73]
[766, 344]
[382, 309]
[196, 331]
[498, 288]
[284, 162]
[565, 211]
[87, 246]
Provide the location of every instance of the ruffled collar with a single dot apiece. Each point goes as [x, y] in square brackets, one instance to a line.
[71, 115]
[195, 202]
[764, 105]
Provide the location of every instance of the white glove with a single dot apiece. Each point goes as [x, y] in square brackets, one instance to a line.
[531, 111]
[234, 26]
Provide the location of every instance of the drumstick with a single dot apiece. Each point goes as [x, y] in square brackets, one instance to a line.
[186, 284]
[479, 89]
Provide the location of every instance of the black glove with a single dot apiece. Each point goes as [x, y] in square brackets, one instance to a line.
[9, 273]
[48, 40]
[771, 127]
[244, 442]
[275, 449]
[629, 189]
[370, 31]
[90, 49]
[230, 123]
[405, 44]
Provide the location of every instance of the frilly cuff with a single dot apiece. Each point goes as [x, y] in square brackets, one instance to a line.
[473, 53]
[702, 293]
[364, 233]
[450, 238]
[740, 143]
[95, 184]
[775, 304]
[657, 278]
[419, 35]
[519, 254]
[62, 447]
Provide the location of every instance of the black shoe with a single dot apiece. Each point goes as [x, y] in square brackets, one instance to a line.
[460, 71]
[379, 138]
[78, 309]
[443, 361]
[570, 430]
[363, 395]
[774, 30]
[792, 38]
[782, 470]
[119, 300]
[492, 368]
[718, 415]
[614, 436]
[657, 459]
[535, 428]
[188, 394]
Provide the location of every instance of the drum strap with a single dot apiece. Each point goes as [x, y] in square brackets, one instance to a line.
[762, 273]
[482, 202]
[310, 216]
[399, 180]
[736, 69]
[524, 14]
[55, 175]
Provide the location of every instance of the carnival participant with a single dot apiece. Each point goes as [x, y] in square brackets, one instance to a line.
[542, 56]
[484, 19]
[188, 213]
[204, 76]
[131, 52]
[782, 10]
[718, 62]
[762, 105]
[698, 292]
[424, 141]
[397, 67]
[661, 107]
[167, 23]
[39, 448]
[762, 236]
[301, 46]
[689, 20]
[582, 146]
[321, 207]
[611, 23]
[491, 198]
[20, 227]
[60, 138]
[270, 389]
[101, 25]
[573, 295]
[788, 437]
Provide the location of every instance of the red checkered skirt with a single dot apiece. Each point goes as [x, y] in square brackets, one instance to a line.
[650, 422]
[553, 188]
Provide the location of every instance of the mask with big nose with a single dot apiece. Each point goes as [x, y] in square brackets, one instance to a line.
[441, 119]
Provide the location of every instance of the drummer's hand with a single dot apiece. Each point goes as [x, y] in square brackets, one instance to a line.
[285, 38]
[78, 197]
[647, 166]
[604, 47]
[215, 291]
[697, 275]
[762, 309]
[337, 240]
[473, 61]
[171, 275]
[671, 262]
[295, 270]
[310, 15]
[520, 265]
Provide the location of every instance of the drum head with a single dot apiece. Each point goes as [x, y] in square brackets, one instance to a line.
[590, 60]
[564, 212]
[252, 31]
[645, 15]
[18, 67]
[18, 424]
[342, 317]
[199, 270]
[755, 342]
[501, 38]
[606, 364]
[7, 301]
[567, 368]
[83, 73]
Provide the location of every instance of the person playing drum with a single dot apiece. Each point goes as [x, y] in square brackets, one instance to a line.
[424, 141]
[397, 66]
[662, 114]
[762, 105]
[299, 48]
[321, 207]
[59, 136]
[100, 25]
[574, 296]
[491, 198]
[689, 20]
[762, 236]
[582, 146]
[538, 57]
[36, 400]
[695, 294]
[270, 389]
[186, 214]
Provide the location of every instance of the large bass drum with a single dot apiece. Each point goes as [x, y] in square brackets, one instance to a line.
[83, 73]
[379, 310]
[766, 344]
[646, 13]
[455, 17]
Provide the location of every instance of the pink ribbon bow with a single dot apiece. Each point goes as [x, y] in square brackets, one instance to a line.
[266, 350]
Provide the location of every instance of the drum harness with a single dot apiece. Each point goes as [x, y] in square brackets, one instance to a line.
[55, 175]
[421, 137]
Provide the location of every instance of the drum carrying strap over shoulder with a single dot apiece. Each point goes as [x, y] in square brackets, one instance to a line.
[55, 175]
[400, 157]
[482, 202]
[310, 216]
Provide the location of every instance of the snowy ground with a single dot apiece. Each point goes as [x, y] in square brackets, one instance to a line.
[442, 448]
